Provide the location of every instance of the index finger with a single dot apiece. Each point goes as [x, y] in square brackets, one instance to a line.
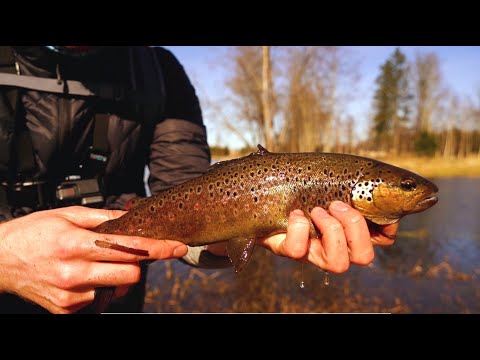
[133, 248]
[383, 235]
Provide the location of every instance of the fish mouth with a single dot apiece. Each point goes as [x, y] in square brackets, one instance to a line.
[425, 204]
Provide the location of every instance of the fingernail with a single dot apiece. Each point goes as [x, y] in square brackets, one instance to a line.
[180, 251]
[339, 206]
[319, 211]
[297, 212]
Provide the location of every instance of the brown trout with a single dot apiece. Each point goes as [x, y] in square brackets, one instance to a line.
[248, 198]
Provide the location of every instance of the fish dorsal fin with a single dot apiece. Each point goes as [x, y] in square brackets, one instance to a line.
[261, 150]
[240, 251]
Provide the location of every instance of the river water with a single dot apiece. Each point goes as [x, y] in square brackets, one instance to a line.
[434, 267]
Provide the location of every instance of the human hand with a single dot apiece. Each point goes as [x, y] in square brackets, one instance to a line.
[50, 258]
[346, 238]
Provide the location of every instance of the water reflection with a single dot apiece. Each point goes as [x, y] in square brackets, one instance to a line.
[434, 267]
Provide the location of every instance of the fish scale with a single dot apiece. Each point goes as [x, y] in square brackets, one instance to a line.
[248, 198]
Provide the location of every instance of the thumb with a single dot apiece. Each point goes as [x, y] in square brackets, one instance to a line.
[87, 217]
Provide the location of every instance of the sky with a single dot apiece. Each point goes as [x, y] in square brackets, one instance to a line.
[460, 66]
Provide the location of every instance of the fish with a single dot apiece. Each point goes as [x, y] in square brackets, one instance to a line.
[241, 200]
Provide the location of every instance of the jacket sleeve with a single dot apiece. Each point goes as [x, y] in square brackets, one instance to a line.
[179, 150]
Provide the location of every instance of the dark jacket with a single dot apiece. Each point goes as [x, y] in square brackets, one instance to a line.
[173, 146]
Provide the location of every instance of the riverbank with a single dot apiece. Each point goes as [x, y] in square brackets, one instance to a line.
[429, 167]
[439, 167]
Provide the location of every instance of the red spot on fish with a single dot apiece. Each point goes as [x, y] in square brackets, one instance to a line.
[197, 206]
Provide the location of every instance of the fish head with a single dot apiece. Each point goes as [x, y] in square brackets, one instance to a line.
[385, 193]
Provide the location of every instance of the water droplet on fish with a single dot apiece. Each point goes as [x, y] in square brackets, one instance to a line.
[302, 283]
[326, 280]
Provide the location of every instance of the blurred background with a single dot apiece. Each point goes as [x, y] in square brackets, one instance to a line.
[415, 107]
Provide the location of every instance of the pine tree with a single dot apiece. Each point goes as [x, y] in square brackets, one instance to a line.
[391, 101]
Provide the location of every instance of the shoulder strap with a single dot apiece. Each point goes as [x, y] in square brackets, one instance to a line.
[8, 103]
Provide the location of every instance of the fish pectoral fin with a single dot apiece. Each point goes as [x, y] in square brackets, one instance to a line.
[240, 251]
[382, 220]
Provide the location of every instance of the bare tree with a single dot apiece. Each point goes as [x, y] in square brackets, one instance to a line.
[313, 93]
[428, 89]
[267, 102]
[252, 89]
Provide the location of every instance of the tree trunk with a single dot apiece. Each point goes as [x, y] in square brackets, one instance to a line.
[267, 98]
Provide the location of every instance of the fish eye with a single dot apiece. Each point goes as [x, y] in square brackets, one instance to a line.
[408, 184]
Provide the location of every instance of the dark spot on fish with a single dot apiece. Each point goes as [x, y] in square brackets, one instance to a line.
[367, 173]
[274, 167]
[331, 173]
[210, 187]
[253, 188]
[244, 168]
[255, 199]
[226, 181]
[325, 171]
[366, 183]
[345, 171]
[180, 205]
[259, 172]
[199, 189]
[160, 202]
[304, 182]
[173, 197]
[309, 168]
[211, 194]
[360, 184]
[356, 161]
[304, 198]
[135, 213]
[241, 176]
[378, 180]
[221, 190]
[140, 221]
[252, 174]
[228, 193]
[344, 188]
[235, 194]
[360, 196]
[357, 173]
[191, 190]
[265, 169]
[326, 188]
[369, 163]
[363, 192]
[218, 183]
[369, 198]
[152, 208]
